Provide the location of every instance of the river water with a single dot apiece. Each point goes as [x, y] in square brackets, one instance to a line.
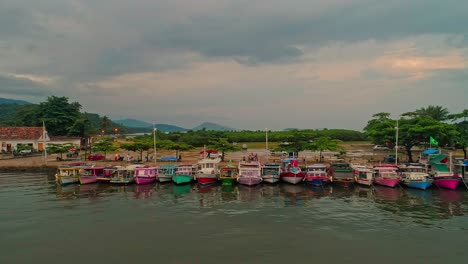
[163, 223]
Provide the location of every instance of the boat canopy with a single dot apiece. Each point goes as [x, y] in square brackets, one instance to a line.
[441, 168]
[430, 151]
[168, 158]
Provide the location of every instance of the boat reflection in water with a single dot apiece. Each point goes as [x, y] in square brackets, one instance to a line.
[144, 191]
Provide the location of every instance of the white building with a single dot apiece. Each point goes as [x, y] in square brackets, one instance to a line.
[11, 137]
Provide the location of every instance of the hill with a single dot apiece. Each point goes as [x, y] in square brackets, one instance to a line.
[169, 128]
[13, 101]
[133, 123]
[213, 126]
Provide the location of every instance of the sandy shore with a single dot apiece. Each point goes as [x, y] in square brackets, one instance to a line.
[188, 157]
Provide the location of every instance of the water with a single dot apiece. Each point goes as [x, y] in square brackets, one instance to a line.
[43, 223]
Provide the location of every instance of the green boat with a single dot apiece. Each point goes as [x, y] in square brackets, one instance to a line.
[229, 174]
[184, 174]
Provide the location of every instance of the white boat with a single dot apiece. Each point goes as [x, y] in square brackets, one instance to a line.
[415, 176]
[208, 171]
[124, 175]
[271, 172]
[364, 176]
[68, 174]
[166, 172]
[250, 173]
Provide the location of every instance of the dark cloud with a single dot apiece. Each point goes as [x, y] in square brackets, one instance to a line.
[22, 86]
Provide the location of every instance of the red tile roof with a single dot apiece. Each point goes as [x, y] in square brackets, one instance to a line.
[16, 133]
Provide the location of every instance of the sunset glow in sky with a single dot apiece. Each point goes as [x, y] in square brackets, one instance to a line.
[245, 64]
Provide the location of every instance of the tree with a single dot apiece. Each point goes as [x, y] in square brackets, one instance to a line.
[171, 145]
[461, 141]
[223, 145]
[138, 145]
[104, 144]
[381, 129]
[436, 112]
[325, 143]
[82, 128]
[59, 148]
[106, 124]
[413, 131]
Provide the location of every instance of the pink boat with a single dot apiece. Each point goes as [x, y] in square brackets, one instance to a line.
[145, 175]
[250, 173]
[386, 175]
[291, 172]
[90, 174]
[449, 182]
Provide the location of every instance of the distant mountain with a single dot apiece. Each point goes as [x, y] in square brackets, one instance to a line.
[13, 101]
[169, 128]
[133, 123]
[212, 126]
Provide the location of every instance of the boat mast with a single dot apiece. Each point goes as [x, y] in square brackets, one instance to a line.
[154, 144]
[396, 144]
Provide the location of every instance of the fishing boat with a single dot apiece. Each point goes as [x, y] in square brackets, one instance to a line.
[109, 172]
[291, 172]
[250, 173]
[184, 174]
[271, 172]
[461, 170]
[90, 174]
[67, 174]
[166, 172]
[341, 174]
[124, 175]
[415, 176]
[439, 167]
[228, 174]
[145, 175]
[386, 175]
[316, 174]
[364, 175]
[208, 171]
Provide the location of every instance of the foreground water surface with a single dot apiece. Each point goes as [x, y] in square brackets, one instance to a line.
[101, 223]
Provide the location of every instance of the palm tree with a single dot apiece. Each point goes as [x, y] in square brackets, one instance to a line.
[436, 112]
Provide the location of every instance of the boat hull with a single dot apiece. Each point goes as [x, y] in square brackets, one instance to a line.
[122, 180]
[164, 178]
[103, 179]
[144, 180]
[388, 182]
[271, 178]
[182, 179]
[423, 185]
[317, 181]
[87, 179]
[292, 178]
[447, 183]
[64, 180]
[365, 182]
[206, 179]
[227, 180]
[249, 181]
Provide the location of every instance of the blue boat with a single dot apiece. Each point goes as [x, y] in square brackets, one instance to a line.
[414, 175]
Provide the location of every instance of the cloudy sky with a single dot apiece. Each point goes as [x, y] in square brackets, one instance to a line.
[248, 64]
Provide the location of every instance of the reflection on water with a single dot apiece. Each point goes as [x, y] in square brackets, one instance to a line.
[35, 207]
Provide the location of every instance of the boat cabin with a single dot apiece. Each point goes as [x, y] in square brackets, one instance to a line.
[271, 169]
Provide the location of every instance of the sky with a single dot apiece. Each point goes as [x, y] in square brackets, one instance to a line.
[246, 64]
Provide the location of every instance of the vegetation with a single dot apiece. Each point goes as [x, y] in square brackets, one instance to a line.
[62, 118]
[59, 148]
[223, 145]
[325, 143]
[415, 128]
[461, 141]
[105, 144]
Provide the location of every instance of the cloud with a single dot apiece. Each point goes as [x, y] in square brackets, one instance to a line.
[23, 85]
[235, 60]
